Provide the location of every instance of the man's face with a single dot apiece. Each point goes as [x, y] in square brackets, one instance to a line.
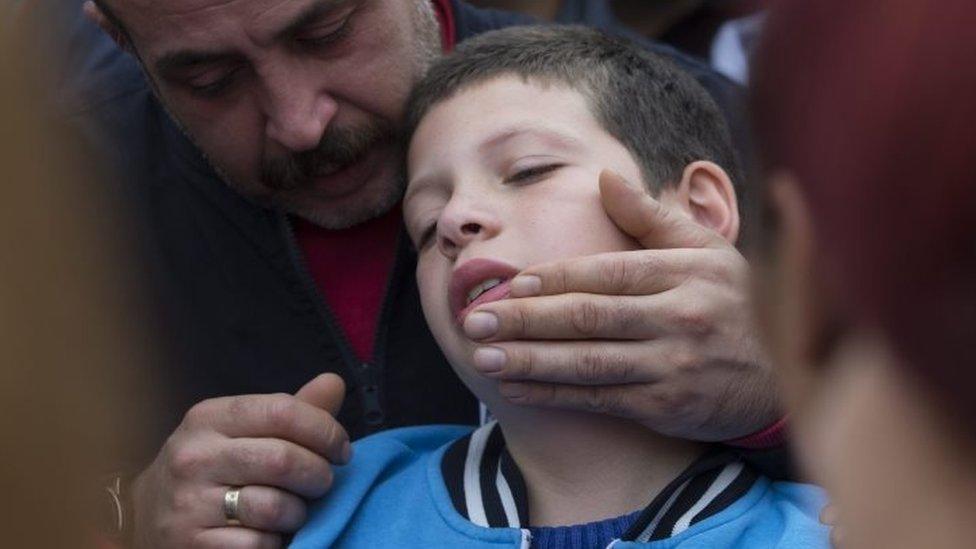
[503, 176]
[295, 102]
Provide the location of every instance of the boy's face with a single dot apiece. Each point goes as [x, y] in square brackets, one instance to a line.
[503, 176]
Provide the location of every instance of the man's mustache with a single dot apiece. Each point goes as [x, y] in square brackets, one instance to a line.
[338, 148]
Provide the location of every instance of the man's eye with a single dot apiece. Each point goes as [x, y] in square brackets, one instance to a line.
[533, 174]
[212, 86]
[323, 35]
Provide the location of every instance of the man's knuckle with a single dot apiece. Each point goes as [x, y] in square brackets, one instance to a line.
[677, 404]
[620, 368]
[694, 320]
[270, 511]
[278, 461]
[187, 460]
[198, 414]
[563, 279]
[324, 479]
[601, 400]
[616, 274]
[685, 360]
[282, 412]
[586, 317]
[598, 366]
[522, 362]
[589, 367]
[333, 434]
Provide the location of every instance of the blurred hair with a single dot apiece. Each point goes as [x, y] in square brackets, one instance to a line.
[872, 105]
[660, 113]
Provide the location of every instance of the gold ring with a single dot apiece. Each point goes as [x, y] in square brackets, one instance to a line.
[232, 500]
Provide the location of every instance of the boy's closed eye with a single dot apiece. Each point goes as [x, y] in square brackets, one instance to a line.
[530, 174]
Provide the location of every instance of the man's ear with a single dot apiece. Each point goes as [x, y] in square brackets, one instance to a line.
[97, 16]
[706, 193]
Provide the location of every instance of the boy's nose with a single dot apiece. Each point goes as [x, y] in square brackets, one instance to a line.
[461, 224]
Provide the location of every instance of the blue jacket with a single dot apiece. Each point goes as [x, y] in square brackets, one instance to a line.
[396, 492]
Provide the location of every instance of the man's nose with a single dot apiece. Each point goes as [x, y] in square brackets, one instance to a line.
[297, 111]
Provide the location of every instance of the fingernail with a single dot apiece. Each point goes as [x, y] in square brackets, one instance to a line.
[525, 286]
[489, 360]
[513, 390]
[480, 325]
[346, 452]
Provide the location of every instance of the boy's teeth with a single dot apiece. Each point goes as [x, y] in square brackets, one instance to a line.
[482, 288]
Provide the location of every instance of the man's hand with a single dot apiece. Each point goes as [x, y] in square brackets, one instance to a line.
[664, 335]
[277, 447]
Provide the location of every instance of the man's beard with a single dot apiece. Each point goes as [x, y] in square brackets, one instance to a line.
[338, 148]
[290, 180]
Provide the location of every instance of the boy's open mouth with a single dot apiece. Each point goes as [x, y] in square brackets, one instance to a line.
[476, 282]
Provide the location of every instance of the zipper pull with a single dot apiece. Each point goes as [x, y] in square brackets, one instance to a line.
[370, 394]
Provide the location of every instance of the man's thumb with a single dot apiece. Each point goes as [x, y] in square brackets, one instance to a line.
[645, 219]
[326, 391]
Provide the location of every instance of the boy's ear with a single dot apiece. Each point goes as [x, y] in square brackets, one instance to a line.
[97, 16]
[706, 193]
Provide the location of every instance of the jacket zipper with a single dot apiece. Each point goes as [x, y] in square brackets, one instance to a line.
[368, 375]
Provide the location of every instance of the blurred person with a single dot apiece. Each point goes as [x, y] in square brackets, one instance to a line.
[868, 129]
[70, 332]
[258, 141]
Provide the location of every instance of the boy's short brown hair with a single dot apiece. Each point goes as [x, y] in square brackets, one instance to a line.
[660, 113]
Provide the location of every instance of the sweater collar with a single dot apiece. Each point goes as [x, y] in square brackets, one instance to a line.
[487, 488]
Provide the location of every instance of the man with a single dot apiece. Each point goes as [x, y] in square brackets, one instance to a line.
[260, 150]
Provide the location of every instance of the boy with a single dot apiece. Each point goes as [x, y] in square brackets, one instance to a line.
[508, 140]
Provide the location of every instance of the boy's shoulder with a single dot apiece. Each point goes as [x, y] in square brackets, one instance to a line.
[392, 490]
[771, 515]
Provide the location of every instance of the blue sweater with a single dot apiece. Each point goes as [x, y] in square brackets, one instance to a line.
[394, 493]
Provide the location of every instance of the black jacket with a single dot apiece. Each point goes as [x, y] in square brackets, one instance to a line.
[231, 295]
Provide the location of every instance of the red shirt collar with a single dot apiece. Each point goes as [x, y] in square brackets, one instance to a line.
[445, 16]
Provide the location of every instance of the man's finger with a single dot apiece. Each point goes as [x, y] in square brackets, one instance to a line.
[273, 462]
[565, 316]
[259, 507]
[575, 362]
[611, 400]
[648, 221]
[234, 537]
[326, 391]
[274, 416]
[640, 272]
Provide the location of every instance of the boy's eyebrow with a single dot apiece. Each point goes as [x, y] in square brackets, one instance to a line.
[550, 135]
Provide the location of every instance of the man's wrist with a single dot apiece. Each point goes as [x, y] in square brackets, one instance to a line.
[770, 437]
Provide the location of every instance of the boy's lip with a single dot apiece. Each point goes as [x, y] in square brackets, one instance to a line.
[471, 273]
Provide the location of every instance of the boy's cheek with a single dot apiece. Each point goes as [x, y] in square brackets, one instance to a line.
[432, 282]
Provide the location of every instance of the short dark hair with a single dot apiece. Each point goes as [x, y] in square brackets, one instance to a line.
[660, 113]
